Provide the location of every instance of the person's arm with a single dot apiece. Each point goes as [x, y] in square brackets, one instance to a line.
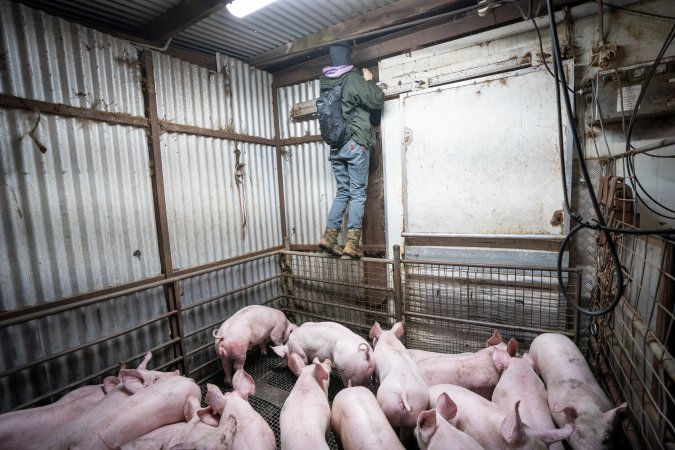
[368, 94]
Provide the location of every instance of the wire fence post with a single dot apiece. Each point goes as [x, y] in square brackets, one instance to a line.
[398, 308]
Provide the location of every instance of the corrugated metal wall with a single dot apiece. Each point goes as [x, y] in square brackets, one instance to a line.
[77, 203]
[309, 185]
[74, 215]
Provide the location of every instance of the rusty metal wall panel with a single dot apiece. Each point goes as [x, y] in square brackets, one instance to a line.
[76, 218]
[203, 203]
[191, 95]
[251, 98]
[49, 59]
[309, 188]
[63, 331]
[289, 96]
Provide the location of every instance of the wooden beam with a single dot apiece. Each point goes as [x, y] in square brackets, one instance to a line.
[60, 109]
[208, 132]
[383, 17]
[182, 16]
[405, 41]
[172, 290]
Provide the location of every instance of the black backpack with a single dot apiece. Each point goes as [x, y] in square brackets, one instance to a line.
[335, 130]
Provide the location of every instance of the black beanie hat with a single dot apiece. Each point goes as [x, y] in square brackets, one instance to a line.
[340, 54]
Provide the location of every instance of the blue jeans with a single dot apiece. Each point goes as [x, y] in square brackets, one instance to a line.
[350, 167]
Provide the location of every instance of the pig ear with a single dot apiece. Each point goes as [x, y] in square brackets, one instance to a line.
[144, 364]
[328, 364]
[375, 331]
[512, 347]
[207, 416]
[134, 380]
[214, 398]
[446, 407]
[533, 362]
[320, 372]
[495, 339]
[611, 415]
[397, 329]
[426, 424]
[500, 358]
[512, 429]
[190, 407]
[281, 350]
[110, 383]
[295, 363]
[243, 383]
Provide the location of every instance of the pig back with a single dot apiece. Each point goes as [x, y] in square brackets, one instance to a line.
[566, 373]
[252, 431]
[359, 423]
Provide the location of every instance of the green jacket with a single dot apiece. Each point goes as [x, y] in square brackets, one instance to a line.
[358, 96]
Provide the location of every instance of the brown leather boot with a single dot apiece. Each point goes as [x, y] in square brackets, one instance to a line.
[352, 247]
[329, 241]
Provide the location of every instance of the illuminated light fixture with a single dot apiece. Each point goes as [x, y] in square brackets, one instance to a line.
[241, 8]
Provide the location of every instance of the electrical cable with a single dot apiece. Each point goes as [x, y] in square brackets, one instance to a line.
[543, 56]
[630, 163]
[558, 66]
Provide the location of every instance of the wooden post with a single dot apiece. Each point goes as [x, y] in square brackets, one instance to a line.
[172, 290]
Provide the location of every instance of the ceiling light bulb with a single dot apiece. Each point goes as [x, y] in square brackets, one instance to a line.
[241, 8]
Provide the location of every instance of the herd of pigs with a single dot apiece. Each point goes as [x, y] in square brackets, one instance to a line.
[490, 399]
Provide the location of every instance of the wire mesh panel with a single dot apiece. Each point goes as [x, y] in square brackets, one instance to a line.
[454, 308]
[632, 346]
[355, 293]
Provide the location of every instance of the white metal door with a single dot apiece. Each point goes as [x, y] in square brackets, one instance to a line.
[481, 157]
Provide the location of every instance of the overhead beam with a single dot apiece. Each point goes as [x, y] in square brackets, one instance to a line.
[383, 17]
[182, 16]
[405, 41]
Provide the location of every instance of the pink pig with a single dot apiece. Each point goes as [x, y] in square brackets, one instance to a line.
[490, 426]
[305, 417]
[250, 429]
[250, 326]
[570, 383]
[519, 383]
[495, 341]
[403, 392]
[433, 432]
[157, 400]
[359, 423]
[478, 372]
[350, 354]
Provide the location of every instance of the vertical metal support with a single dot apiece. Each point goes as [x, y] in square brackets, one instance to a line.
[398, 307]
[577, 314]
[280, 170]
[171, 290]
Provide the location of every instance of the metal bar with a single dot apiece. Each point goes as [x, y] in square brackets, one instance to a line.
[60, 109]
[398, 307]
[543, 237]
[201, 366]
[300, 248]
[172, 290]
[280, 165]
[63, 302]
[341, 306]
[660, 352]
[481, 323]
[481, 266]
[106, 295]
[209, 376]
[339, 283]
[16, 369]
[85, 379]
[322, 255]
[228, 293]
[230, 262]
[199, 349]
[577, 314]
[666, 142]
[209, 132]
